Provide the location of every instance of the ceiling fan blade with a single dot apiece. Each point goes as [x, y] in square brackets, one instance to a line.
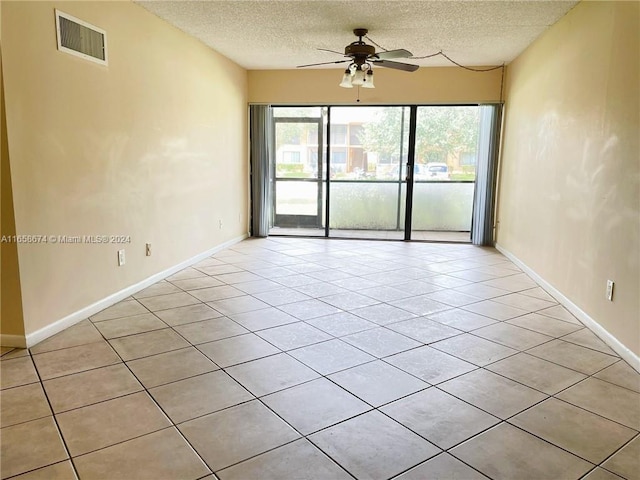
[400, 53]
[323, 63]
[407, 67]
[332, 51]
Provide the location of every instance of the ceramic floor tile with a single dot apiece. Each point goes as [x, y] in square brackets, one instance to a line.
[439, 417]
[10, 353]
[626, 462]
[492, 393]
[210, 330]
[57, 471]
[442, 467]
[213, 294]
[160, 288]
[461, 319]
[349, 300]
[445, 281]
[582, 433]
[264, 318]
[188, 314]
[237, 277]
[294, 335]
[30, 445]
[239, 349]
[513, 283]
[601, 474]
[381, 342]
[603, 398]
[453, 298]
[17, 371]
[524, 302]
[162, 454]
[309, 309]
[536, 373]
[75, 359]
[295, 281]
[546, 325]
[23, 404]
[318, 289]
[373, 446]
[299, 459]
[330, 357]
[481, 291]
[171, 366]
[281, 296]
[383, 314]
[420, 305]
[171, 300]
[512, 336]
[621, 374]
[582, 359]
[315, 405]
[340, 324]
[197, 283]
[495, 310]
[93, 386]
[377, 382]
[385, 293]
[538, 292]
[146, 344]
[258, 286]
[474, 349]
[230, 306]
[430, 365]
[284, 372]
[188, 272]
[422, 287]
[124, 308]
[506, 452]
[587, 338]
[79, 334]
[424, 330]
[196, 396]
[560, 313]
[97, 426]
[121, 327]
[235, 434]
[218, 269]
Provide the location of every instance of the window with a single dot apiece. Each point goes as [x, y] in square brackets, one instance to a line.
[291, 157]
[468, 158]
[339, 134]
[354, 134]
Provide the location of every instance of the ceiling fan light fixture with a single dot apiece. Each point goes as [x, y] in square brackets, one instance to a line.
[346, 79]
[368, 80]
[358, 78]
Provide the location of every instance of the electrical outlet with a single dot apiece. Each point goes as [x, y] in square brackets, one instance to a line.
[148, 250]
[610, 290]
[121, 258]
[220, 224]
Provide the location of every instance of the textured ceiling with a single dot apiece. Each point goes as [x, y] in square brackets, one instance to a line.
[273, 34]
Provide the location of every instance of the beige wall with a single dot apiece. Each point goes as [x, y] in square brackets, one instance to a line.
[153, 146]
[569, 204]
[427, 85]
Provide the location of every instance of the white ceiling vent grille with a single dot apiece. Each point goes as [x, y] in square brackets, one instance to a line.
[81, 38]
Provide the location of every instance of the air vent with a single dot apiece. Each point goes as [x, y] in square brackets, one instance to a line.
[81, 38]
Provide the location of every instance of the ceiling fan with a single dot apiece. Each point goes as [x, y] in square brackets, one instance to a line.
[362, 57]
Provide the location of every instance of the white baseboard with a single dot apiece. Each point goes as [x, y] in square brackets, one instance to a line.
[17, 341]
[626, 354]
[65, 322]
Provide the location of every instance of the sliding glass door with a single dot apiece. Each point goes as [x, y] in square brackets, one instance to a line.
[446, 155]
[368, 146]
[382, 172]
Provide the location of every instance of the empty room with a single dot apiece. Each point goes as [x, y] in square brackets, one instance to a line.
[291, 239]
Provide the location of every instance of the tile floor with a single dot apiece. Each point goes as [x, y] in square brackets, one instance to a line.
[287, 358]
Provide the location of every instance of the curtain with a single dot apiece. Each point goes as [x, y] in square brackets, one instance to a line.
[260, 126]
[485, 191]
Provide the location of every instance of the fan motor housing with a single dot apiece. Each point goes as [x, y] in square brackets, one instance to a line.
[357, 49]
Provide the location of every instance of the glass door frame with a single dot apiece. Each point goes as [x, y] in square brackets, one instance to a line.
[319, 174]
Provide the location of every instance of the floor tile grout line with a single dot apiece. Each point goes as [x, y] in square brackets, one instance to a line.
[55, 420]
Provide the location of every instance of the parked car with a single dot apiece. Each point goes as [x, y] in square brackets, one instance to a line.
[435, 171]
